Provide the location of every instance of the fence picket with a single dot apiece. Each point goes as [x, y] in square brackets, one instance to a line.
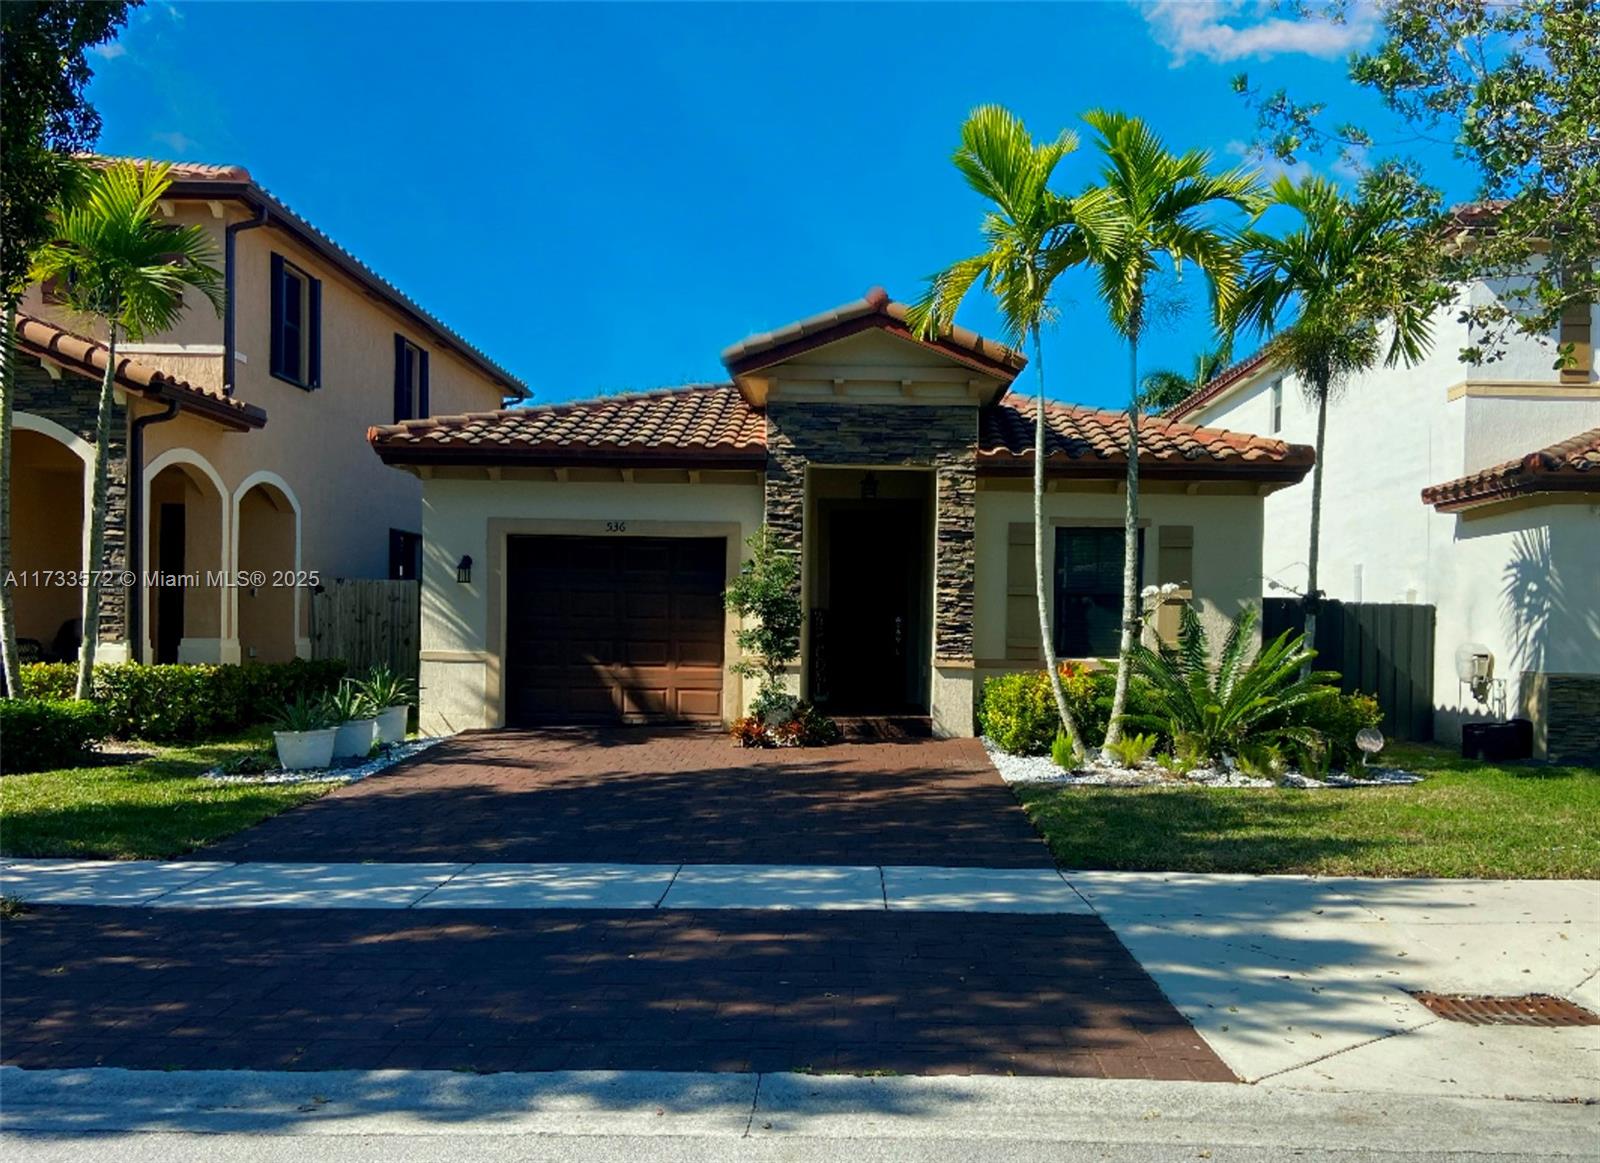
[368, 622]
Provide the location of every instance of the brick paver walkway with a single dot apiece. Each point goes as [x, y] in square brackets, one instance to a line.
[663, 797]
[541, 990]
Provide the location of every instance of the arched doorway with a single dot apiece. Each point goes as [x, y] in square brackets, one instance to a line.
[49, 467]
[266, 524]
[185, 535]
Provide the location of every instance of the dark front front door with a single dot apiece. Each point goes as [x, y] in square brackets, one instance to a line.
[875, 632]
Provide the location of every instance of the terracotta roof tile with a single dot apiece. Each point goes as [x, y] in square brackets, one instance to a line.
[1089, 442]
[702, 424]
[88, 357]
[1572, 465]
[1226, 378]
[874, 310]
[712, 424]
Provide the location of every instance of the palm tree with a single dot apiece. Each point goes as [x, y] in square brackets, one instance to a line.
[1164, 387]
[1351, 271]
[118, 261]
[1156, 202]
[1032, 235]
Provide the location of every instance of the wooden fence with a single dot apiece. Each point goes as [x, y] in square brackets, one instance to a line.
[368, 622]
[1384, 649]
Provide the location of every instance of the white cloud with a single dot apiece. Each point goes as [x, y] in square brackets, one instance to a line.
[109, 52]
[175, 141]
[1230, 30]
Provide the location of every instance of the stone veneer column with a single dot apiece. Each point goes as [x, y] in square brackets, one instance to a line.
[74, 403]
[941, 437]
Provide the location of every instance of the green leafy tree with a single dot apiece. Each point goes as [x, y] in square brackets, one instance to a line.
[1515, 88]
[1156, 211]
[1165, 388]
[43, 120]
[1242, 702]
[766, 596]
[1351, 284]
[1031, 235]
[117, 260]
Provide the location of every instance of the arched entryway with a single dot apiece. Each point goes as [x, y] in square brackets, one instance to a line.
[49, 480]
[185, 539]
[266, 532]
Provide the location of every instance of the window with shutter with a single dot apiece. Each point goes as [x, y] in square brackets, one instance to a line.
[296, 341]
[1088, 590]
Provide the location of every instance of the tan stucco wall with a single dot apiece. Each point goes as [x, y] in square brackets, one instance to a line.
[315, 442]
[462, 648]
[1226, 554]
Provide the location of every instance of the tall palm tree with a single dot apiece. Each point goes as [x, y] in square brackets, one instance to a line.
[1031, 236]
[1157, 203]
[117, 260]
[1352, 270]
[1164, 387]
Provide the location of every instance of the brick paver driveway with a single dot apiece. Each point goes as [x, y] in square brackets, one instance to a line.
[637, 796]
[542, 990]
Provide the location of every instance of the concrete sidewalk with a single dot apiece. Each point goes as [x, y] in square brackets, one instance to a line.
[349, 1115]
[222, 885]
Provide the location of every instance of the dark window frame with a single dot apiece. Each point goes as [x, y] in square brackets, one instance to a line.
[410, 380]
[1275, 403]
[304, 371]
[405, 552]
[1087, 619]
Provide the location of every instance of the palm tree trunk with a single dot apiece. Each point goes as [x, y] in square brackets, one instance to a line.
[1313, 596]
[10, 664]
[1130, 548]
[1040, 576]
[97, 520]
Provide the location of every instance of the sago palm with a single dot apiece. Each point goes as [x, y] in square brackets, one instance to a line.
[1156, 211]
[1242, 701]
[115, 259]
[1352, 272]
[1031, 236]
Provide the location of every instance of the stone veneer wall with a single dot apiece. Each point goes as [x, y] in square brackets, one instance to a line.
[74, 403]
[1570, 707]
[943, 438]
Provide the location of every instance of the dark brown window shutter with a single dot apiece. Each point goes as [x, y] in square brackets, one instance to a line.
[276, 344]
[314, 339]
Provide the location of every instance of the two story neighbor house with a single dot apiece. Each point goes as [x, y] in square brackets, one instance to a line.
[239, 442]
[1475, 490]
[577, 554]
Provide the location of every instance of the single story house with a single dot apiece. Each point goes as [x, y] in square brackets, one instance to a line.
[577, 553]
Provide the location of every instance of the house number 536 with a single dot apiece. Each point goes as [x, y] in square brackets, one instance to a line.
[616, 526]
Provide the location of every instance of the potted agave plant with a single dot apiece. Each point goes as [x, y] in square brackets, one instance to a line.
[357, 720]
[304, 735]
[391, 695]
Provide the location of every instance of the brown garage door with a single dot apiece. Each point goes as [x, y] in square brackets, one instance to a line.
[614, 629]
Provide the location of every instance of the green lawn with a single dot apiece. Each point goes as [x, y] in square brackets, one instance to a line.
[1467, 819]
[151, 808]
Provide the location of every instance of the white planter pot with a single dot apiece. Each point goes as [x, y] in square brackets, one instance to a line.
[355, 738]
[305, 750]
[392, 723]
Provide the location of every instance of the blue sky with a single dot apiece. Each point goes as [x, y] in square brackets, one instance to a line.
[604, 196]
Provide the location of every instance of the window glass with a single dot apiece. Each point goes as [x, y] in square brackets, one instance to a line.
[1088, 591]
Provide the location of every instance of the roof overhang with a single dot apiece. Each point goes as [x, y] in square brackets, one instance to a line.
[982, 368]
[85, 357]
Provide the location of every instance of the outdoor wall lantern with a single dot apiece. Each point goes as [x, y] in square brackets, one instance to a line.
[464, 569]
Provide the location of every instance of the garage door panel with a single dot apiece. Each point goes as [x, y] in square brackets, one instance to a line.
[602, 629]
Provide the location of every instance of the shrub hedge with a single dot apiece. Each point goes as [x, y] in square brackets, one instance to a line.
[1017, 712]
[175, 703]
[38, 734]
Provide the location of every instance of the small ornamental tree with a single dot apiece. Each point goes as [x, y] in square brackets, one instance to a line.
[766, 596]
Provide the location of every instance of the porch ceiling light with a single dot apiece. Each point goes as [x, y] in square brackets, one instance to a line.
[464, 569]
